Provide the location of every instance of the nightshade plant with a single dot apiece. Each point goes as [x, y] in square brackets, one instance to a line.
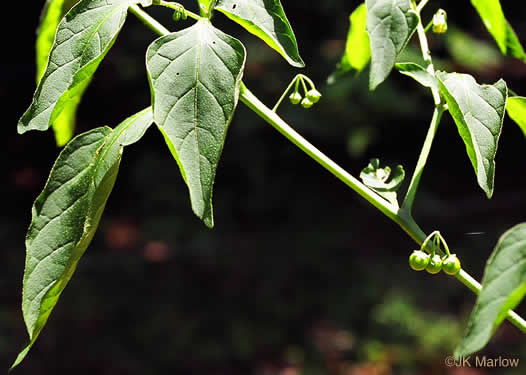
[195, 77]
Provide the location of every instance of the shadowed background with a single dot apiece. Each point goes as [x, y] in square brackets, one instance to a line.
[300, 275]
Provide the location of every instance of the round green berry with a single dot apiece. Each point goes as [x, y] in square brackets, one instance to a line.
[418, 260]
[306, 103]
[435, 264]
[295, 97]
[451, 265]
[313, 95]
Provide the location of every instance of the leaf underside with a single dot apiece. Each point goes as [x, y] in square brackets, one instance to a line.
[503, 288]
[390, 25]
[66, 215]
[195, 76]
[267, 20]
[478, 111]
[83, 38]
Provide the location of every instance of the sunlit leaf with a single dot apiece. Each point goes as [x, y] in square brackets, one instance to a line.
[52, 13]
[503, 288]
[390, 25]
[83, 38]
[478, 111]
[516, 108]
[492, 16]
[66, 215]
[267, 20]
[357, 49]
[195, 76]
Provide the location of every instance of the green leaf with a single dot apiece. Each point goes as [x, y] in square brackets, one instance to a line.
[195, 76]
[83, 38]
[418, 73]
[49, 19]
[357, 49]
[66, 215]
[377, 178]
[503, 287]
[515, 48]
[390, 25]
[52, 13]
[492, 16]
[478, 111]
[266, 20]
[516, 108]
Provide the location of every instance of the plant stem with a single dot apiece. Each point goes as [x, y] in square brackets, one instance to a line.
[437, 115]
[401, 217]
[176, 6]
[421, 6]
[149, 21]
[422, 160]
[293, 82]
[273, 119]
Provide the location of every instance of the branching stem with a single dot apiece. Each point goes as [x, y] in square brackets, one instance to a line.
[401, 217]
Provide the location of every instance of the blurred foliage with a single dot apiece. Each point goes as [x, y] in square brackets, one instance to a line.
[300, 276]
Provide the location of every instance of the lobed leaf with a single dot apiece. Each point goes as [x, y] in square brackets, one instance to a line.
[492, 15]
[418, 73]
[503, 287]
[83, 38]
[381, 181]
[478, 111]
[357, 49]
[195, 75]
[516, 108]
[390, 25]
[66, 215]
[266, 20]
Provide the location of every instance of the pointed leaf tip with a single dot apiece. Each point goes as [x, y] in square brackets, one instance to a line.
[265, 19]
[66, 215]
[478, 111]
[195, 76]
[82, 40]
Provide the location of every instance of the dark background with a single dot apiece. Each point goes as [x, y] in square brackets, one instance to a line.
[300, 275]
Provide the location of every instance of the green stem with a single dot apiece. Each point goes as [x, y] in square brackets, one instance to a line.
[293, 82]
[421, 6]
[401, 217]
[176, 6]
[422, 160]
[149, 21]
[273, 119]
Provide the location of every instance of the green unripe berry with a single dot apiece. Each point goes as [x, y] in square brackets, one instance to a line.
[435, 264]
[306, 103]
[451, 265]
[418, 260]
[313, 95]
[295, 97]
